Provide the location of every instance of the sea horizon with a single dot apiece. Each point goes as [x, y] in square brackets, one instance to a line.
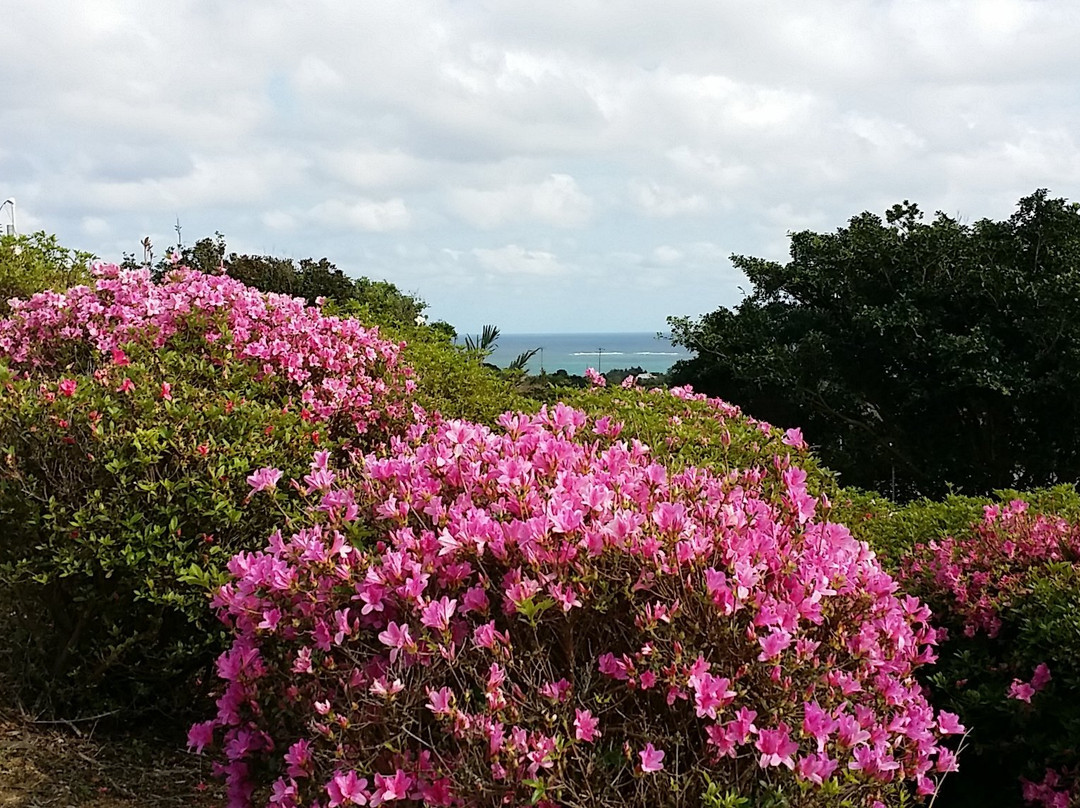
[576, 351]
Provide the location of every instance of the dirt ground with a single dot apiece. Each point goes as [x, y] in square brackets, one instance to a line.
[81, 765]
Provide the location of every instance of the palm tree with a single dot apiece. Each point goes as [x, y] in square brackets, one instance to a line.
[483, 345]
[522, 359]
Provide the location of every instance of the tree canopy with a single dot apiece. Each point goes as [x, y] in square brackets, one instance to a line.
[375, 302]
[917, 356]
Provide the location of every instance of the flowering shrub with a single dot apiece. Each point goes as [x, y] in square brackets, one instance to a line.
[684, 428]
[131, 416]
[1008, 591]
[553, 617]
[334, 367]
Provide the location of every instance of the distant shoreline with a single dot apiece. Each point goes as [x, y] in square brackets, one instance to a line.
[574, 352]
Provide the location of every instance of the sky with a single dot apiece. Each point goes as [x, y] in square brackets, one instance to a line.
[542, 166]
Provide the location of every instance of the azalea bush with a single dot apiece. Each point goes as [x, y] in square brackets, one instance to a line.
[132, 416]
[554, 617]
[683, 428]
[1008, 591]
[893, 529]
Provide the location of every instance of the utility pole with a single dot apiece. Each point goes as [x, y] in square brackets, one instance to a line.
[11, 229]
[599, 360]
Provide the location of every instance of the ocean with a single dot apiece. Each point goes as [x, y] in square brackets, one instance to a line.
[575, 352]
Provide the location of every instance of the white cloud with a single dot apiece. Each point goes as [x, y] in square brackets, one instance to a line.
[514, 260]
[361, 214]
[556, 201]
[668, 135]
[95, 226]
[665, 201]
[665, 255]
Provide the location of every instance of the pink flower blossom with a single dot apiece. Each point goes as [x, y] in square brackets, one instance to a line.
[437, 614]
[585, 727]
[817, 768]
[201, 735]
[439, 700]
[396, 636]
[264, 479]
[388, 789]
[1041, 677]
[345, 788]
[652, 759]
[794, 438]
[949, 723]
[1021, 691]
[776, 747]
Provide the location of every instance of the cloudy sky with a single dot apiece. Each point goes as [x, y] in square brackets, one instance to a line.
[544, 166]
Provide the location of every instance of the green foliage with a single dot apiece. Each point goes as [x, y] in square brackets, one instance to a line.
[683, 432]
[893, 529]
[521, 361]
[121, 509]
[36, 262]
[373, 302]
[483, 344]
[1008, 592]
[451, 382]
[915, 356]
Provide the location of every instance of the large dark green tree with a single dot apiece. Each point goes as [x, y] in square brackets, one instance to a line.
[917, 356]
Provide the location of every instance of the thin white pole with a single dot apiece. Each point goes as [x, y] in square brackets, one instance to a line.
[11, 201]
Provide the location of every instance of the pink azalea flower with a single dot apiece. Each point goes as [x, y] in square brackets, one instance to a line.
[299, 759]
[1021, 691]
[776, 747]
[818, 723]
[347, 789]
[949, 723]
[264, 479]
[816, 768]
[397, 638]
[200, 736]
[437, 614]
[772, 644]
[652, 759]
[1041, 678]
[397, 787]
[794, 438]
[585, 727]
[565, 596]
[67, 387]
[126, 386]
[166, 391]
[556, 691]
[439, 700]
[271, 617]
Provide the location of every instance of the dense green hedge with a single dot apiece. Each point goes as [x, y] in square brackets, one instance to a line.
[121, 509]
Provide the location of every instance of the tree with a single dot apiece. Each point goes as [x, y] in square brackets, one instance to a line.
[374, 302]
[917, 356]
[33, 263]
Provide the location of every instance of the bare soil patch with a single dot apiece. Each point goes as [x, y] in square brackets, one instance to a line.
[81, 765]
